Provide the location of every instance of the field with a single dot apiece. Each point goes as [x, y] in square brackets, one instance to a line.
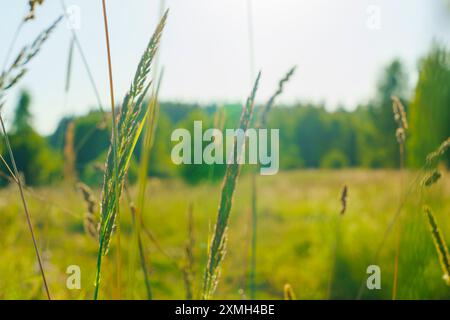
[149, 194]
[298, 228]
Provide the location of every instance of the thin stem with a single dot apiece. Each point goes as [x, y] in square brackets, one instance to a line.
[83, 58]
[99, 266]
[253, 248]
[13, 176]
[397, 245]
[253, 192]
[251, 39]
[13, 43]
[114, 149]
[134, 216]
[392, 224]
[25, 207]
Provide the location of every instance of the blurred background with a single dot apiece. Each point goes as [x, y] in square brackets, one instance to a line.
[335, 112]
[336, 123]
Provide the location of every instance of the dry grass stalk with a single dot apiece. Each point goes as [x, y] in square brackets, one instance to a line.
[69, 65]
[32, 9]
[217, 248]
[439, 242]
[90, 222]
[344, 196]
[114, 162]
[289, 292]
[83, 57]
[8, 79]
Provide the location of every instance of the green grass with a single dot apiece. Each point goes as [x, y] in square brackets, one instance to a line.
[126, 131]
[296, 229]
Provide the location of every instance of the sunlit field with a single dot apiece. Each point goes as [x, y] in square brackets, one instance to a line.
[224, 150]
[296, 239]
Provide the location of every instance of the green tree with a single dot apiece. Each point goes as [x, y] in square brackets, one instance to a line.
[393, 82]
[430, 107]
[35, 160]
[22, 116]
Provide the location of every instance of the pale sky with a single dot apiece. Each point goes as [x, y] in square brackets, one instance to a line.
[338, 46]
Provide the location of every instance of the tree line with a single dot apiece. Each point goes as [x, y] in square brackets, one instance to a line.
[310, 135]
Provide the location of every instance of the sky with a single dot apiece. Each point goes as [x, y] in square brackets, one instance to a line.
[339, 47]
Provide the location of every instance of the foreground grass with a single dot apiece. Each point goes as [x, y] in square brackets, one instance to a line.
[296, 227]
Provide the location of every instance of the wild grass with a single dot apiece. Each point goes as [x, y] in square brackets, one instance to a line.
[337, 239]
[130, 123]
[8, 79]
[75, 40]
[217, 248]
[296, 209]
[33, 4]
[90, 217]
[402, 128]
[189, 267]
[150, 129]
[306, 217]
[439, 242]
[289, 292]
[431, 163]
[113, 163]
[261, 122]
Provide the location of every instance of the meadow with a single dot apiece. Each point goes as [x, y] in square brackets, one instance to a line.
[100, 210]
[296, 239]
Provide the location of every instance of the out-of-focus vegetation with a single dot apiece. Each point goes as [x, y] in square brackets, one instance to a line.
[297, 232]
[310, 135]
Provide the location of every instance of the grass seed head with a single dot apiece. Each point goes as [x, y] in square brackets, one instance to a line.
[217, 248]
[90, 217]
[289, 292]
[344, 195]
[433, 157]
[401, 120]
[431, 178]
[131, 119]
[439, 242]
[32, 4]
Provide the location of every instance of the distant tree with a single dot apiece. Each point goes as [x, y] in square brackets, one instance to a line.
[393, 82]
[430, 107]
[35, 160]
[22, 116]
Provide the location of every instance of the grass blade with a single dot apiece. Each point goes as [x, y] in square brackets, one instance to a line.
[218, 244]
[131, 120]
[8, 79]
[439, 242]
